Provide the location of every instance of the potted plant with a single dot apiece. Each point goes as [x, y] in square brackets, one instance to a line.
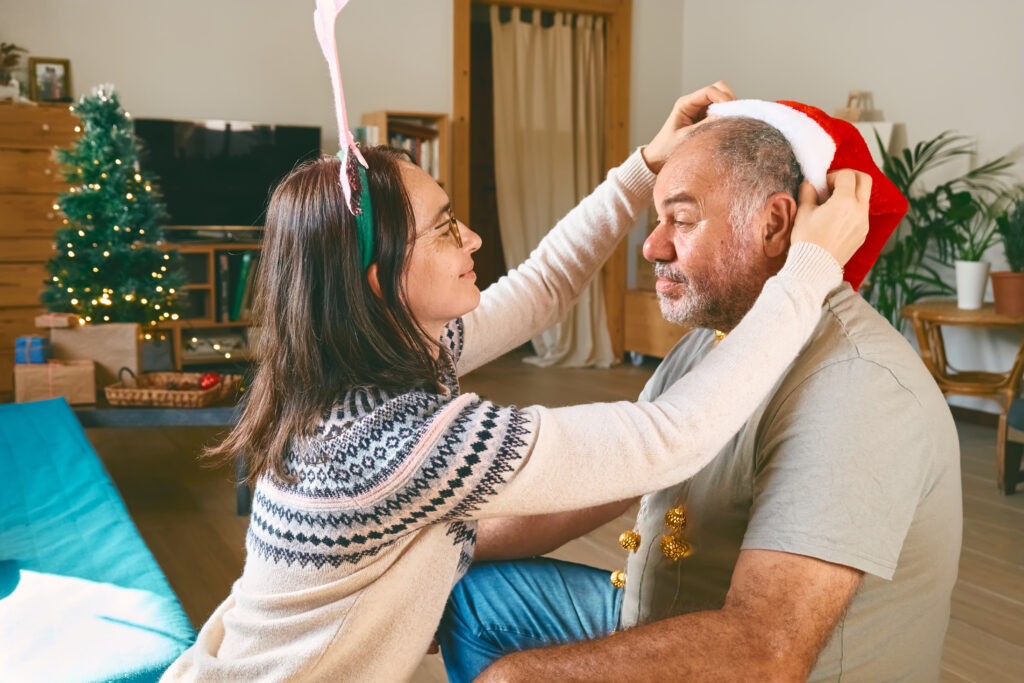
[972, 230]
[1008, 286]
[908, 268]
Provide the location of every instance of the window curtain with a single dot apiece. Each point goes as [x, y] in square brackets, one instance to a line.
[548, 129]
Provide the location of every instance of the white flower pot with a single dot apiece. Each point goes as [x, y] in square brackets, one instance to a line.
[971, 280]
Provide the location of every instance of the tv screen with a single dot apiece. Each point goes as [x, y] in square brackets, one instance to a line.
[221, 172]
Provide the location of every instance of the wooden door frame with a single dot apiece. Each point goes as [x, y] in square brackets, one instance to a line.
[618, 15]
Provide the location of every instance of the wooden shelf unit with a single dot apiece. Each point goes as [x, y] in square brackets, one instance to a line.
[388, 121]
[30, 179]
[202, 298]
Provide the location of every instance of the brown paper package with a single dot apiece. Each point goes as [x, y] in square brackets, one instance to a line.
[112, 345]
[75, 380]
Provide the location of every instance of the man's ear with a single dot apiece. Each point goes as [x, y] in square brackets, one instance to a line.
[778, 224]
[371, 277]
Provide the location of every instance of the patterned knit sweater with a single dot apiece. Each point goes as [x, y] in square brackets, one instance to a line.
[348, 570]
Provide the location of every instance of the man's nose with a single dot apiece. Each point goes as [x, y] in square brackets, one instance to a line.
[658, 246]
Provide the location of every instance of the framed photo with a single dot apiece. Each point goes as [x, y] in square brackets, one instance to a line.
[49, 80]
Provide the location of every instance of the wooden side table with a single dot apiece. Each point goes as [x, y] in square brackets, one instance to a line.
[1003, 387]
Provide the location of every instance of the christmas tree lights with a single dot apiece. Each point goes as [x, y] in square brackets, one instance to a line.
[113, 226]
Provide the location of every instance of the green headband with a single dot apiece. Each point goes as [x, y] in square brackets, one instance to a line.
[362, 209]
[364, 219]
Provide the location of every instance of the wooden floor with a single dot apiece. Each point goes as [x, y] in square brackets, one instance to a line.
[185, 513]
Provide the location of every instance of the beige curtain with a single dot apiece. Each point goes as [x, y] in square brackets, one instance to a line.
[548, 127]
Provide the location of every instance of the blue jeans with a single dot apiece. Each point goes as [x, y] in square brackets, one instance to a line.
[504, 607]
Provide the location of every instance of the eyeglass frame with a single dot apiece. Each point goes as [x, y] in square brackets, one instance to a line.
[453, 228]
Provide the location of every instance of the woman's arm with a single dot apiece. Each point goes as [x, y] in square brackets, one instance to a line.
[591, 454]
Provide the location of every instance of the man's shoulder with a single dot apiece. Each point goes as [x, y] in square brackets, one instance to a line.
[854, 347]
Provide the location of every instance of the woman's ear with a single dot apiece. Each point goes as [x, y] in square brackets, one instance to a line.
[778, 226]
[371, 277]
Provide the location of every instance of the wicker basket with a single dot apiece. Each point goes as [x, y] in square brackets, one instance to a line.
[151, 389]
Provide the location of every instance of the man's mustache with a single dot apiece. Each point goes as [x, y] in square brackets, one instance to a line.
[669, 273]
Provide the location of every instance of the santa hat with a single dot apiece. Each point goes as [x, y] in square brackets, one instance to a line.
[822, 144]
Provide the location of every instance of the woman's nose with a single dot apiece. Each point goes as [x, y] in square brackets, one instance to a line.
[470, 240]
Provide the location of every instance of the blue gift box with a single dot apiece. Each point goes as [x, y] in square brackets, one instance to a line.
[32, 350]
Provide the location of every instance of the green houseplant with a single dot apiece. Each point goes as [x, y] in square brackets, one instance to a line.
[1008, 286]
[934, 228]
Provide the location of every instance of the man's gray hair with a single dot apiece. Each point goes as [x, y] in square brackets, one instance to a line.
[755, 161]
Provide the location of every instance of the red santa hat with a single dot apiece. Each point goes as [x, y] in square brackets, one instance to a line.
[822, 144]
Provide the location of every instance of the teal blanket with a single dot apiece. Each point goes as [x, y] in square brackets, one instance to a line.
[81, 597]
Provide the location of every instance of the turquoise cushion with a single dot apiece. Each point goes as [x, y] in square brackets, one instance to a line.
[81, 597]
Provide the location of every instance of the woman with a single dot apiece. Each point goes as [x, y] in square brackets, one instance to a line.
[371, 467]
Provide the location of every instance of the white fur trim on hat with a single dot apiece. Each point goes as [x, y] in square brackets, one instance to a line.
[812, 146]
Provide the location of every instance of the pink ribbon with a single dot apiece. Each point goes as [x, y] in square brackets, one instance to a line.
[324, 18]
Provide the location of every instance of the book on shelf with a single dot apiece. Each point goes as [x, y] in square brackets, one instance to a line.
[367, 136]
[235, 274]
[250, 283]
[223, 286]
[240, 282]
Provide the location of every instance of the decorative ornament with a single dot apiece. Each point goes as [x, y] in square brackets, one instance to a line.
[618, 578]
[629, 540]
[676, 518]
[674, 548]
[209, 380]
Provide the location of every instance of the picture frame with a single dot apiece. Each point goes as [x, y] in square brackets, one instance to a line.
[49, 79]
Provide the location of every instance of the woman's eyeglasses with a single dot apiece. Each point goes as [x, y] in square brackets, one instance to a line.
[451, 224]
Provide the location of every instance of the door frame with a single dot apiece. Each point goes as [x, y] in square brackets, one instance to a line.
[618, 15]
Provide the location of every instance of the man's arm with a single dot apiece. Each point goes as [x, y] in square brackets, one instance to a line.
[510, 538]
[778, 615]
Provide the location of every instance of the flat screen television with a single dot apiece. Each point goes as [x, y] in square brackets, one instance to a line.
[221, 173]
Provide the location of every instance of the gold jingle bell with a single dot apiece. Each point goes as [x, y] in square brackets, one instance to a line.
[675, 518]
[618, 578]
[629, 540]
[673, 548]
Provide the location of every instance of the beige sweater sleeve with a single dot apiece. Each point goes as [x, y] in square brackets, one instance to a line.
[591, 454]
[541, 291]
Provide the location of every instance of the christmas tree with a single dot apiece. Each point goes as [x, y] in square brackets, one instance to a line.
[108, 267]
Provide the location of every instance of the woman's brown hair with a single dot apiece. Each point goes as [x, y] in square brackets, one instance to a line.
[321, 329]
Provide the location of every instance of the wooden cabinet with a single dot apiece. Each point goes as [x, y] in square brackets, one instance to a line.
[30, 179]
[208, 299]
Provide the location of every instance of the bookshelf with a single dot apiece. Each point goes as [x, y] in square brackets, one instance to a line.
[425, 135]
[214, 325]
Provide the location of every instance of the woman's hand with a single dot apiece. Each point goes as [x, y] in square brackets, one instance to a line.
[688, 110]
[840, 225]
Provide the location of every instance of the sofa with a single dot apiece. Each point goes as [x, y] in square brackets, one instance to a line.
[81, 596]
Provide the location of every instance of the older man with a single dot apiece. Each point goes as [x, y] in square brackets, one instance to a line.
[821, 543]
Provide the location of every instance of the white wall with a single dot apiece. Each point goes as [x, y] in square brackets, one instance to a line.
[258, 60]
[931, 64]
[250, 60]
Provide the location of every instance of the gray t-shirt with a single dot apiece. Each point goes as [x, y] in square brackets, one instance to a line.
[854, 459]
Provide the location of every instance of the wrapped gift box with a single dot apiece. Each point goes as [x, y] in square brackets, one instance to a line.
[75, 380]
[57, 320]
[112, 345]
[31, 349]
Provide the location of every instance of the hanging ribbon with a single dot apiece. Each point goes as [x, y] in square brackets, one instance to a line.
[324, 18]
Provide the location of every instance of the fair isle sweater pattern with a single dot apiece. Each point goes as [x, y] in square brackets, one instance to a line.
[380, 467]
